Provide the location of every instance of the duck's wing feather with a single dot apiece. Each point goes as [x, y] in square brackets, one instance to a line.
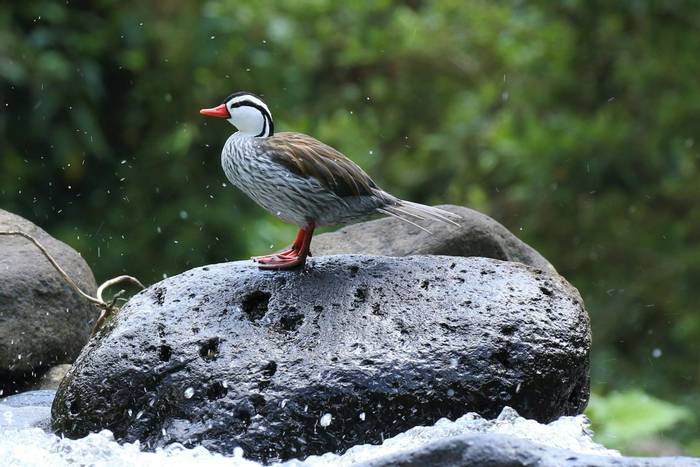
[308, 157]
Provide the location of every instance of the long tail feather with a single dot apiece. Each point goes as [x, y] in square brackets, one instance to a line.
[431, 212]
[398, 216]
[400, 211]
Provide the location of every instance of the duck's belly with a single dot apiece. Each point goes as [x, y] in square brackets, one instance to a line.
[294, 199]
[291, 198]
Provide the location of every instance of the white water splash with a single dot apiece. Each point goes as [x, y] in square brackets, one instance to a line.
[572, 433]
[33, 447]
[326, 420]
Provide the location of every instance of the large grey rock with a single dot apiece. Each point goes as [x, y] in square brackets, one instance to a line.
[477, 235]
[43, 322]
[498, 450]
[351, 350]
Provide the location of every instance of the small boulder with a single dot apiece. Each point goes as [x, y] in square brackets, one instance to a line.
[477, 235]
[350, 350]
[52, 378]
[31, 409]
[43, 321]
[498, 450]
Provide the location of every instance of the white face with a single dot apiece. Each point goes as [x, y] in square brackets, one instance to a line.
[248, 115]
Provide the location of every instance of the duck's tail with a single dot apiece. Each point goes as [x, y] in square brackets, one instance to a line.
[412, 213]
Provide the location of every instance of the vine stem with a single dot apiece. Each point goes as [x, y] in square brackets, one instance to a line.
[107, 308]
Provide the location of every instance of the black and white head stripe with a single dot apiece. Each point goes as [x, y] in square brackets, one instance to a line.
[240, 99]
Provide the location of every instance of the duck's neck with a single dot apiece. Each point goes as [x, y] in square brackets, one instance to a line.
[264, 129]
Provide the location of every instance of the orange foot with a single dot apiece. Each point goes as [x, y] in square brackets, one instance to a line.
[280, 261]
[292, 257]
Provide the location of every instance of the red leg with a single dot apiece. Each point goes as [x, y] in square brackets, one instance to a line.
[294, 257]
[296, 246]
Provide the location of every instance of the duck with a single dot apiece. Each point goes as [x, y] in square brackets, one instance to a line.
[302, 180]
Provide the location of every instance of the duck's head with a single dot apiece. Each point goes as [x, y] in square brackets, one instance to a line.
[245, 111]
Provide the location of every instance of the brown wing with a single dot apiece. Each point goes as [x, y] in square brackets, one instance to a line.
[308, 157]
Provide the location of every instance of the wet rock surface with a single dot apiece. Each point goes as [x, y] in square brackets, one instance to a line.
[351, 350]
[497, 450]
[43, 322]
[477, 235]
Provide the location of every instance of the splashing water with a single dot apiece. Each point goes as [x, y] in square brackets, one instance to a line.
[34, 447]
[572, 433]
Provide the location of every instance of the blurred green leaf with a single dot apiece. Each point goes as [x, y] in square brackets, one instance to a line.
[622, 417]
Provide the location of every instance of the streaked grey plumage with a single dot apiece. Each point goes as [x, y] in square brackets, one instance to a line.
[253, 165]
[302, 180]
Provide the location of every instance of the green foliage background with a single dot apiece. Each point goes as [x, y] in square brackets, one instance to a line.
[574, 123]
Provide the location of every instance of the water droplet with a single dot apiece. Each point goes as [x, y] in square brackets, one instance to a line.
[326, 420]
